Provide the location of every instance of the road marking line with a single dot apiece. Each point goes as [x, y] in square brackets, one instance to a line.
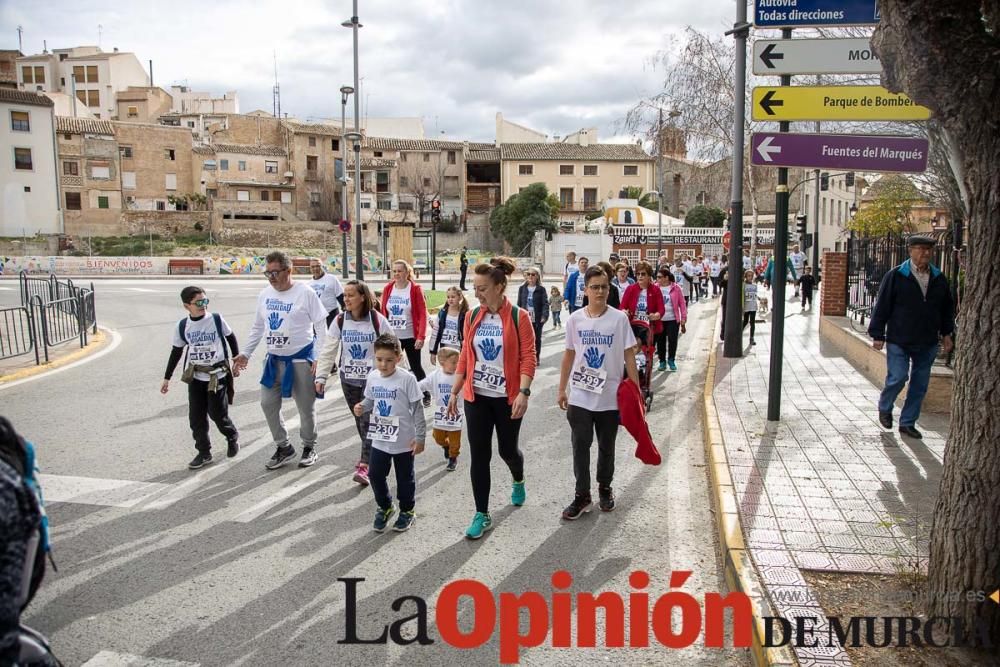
[307, 480]
[143, 289]
[116, 340]
[112, 659]
[96, 491]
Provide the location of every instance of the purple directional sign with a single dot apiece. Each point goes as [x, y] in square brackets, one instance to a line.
[856, 152]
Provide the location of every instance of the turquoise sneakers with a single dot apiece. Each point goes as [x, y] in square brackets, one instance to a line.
[480, 524]
[517, 495]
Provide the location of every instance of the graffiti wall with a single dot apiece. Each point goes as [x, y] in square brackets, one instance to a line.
[89, 266]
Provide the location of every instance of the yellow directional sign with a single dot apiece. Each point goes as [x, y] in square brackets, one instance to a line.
[996, 596]
[834, 103]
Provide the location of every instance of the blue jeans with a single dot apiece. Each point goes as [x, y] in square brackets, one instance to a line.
[379, 463]
[898, 360]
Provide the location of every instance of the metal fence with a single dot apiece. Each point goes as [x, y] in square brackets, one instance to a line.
[53, 311]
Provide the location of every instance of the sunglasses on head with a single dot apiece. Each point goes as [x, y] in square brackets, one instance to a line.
[274, 274]
[201, 303]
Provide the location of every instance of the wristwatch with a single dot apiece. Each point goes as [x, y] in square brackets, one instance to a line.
[526, 391]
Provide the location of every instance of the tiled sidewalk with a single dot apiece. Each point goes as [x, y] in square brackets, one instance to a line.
[826, 488]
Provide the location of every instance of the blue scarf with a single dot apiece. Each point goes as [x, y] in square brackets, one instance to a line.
[288, 378]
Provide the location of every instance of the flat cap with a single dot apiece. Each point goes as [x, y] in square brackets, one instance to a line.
[920, 239]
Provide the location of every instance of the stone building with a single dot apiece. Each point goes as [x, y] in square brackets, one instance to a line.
[160, 158]
[142, 104]
[246, 181]
[90, 175]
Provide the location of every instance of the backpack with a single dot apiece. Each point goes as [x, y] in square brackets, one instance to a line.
[182, 328]
[442, 319]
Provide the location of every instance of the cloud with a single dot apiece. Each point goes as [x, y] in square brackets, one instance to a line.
[550, 64]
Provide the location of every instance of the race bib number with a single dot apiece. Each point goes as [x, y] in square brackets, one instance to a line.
[201, 354]
[589, 379]
[397, 323]
[578, 302]
[277, 340]
[487, 376]
[357, 369]
[444, 422]
[383, 429]
[642, 316]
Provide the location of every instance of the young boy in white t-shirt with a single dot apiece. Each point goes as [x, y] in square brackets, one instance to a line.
[397, 429]
[600, 345]
[447, 431]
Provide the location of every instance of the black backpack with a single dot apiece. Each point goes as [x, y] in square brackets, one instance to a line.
[182, 329]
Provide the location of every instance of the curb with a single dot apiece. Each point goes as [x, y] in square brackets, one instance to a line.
[97, 342]
[741, 574]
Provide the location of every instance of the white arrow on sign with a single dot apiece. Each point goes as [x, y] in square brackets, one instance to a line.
[774, 57]
[766, 149]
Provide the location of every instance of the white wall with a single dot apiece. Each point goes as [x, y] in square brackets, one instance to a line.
[37, 211]
[595, 247]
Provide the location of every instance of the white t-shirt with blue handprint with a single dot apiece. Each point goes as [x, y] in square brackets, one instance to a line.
[393, 429]
[400, 312]
[599, 363]
[286, 319]
[488, 376]
[356, 346]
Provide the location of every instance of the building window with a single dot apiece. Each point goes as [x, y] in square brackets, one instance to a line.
[161, 206]
[133, 112]
[590, 170]
[271, 166]
[565, 170]
[590, 198]
[92, 98]
[427, 181]
[384, 203]
[402, 158]
[100, 171]
[311, 164]
[27, 188]
[68, 137]
[314, 198]
[404, 181]
[171, 182]
[169, 154]
[631, 170]
[377, 154]
[286, 197]
[128, 180]
[312, 142]
[224, 165]
[265, 195]
[427, 157]
[73, 201]
[208, 165]
[335, 144]
[566, 198]
[22, 159]
[452, 158]
[366, 204]
[33, 74]
[525, 169]
[242, 195]
[71, 169]
[19, 121]
[405, 206]
[86, 74]
[126, 152]
[190, 124]
[102, 202]
[242, 165]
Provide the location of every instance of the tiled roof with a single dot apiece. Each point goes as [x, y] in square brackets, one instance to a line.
[313, 128]
[14, 96]
[390, 144]
[250, 149]
[480, 146]
[71, 125]
[614, 152]
[203, 150]
[483, 155]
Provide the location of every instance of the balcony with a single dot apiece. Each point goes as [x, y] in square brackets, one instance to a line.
[586, 205]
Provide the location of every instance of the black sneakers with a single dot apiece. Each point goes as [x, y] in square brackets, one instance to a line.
[885, 419]
[579, 505]
[607, 501]
[910, 432]
[200, 461]
[309, 457]
[233, 449]
[427, 399]
[282, 455]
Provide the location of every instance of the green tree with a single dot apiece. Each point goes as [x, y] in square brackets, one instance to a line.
[517, 220]
[705, 216]
[887, 210]
[646, 200]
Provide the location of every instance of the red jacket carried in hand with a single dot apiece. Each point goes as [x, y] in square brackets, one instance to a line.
[633, 417]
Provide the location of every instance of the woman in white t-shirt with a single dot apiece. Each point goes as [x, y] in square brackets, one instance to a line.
[404, 305]
[349, 345]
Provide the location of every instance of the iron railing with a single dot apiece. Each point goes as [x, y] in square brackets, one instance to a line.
[53, 311]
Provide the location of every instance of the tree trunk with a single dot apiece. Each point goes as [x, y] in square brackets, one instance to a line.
[944, 55]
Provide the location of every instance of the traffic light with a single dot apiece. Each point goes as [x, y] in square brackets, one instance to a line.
[436, 212]
[824, 181]
[849, 179]
[800, 224]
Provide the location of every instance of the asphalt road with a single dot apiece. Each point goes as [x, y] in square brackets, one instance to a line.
[236, 565]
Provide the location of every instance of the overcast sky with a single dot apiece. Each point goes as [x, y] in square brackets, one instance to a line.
[553, 65]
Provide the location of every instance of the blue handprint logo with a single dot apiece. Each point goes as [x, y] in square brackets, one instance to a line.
[593, 357]
[274, 321]
[356, 351]
[489, 349]
[383, 408]
[396, 310]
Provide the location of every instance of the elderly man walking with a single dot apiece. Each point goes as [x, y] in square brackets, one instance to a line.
[914, 308]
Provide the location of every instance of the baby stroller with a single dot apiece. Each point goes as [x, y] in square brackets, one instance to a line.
[644, 359]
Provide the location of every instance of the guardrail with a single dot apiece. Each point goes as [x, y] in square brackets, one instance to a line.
[52, 312]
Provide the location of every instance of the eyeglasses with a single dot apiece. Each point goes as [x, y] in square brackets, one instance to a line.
[274, 274]
[201, 303]
[599, 288]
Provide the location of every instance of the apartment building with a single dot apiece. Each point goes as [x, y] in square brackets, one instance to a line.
[90, 175]
[30, 191]
[156, 161]
[142, 104]
[186, 101]
[92, 75]
[314, 151]
[245, 181]
[582, 175]
[834, 206]
[426, 169]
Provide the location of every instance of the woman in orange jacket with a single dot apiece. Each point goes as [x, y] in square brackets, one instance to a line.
[498, 357]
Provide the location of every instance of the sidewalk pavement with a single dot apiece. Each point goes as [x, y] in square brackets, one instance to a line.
[825, 488]
[23, 366]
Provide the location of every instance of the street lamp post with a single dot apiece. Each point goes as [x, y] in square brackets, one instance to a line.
[345, 91]
[354, 24]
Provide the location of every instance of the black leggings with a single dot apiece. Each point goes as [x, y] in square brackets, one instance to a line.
[481, 417]
[666, 340]
[750, 317]
[413, 357]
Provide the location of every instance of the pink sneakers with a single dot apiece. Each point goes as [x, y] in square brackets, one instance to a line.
[361, 474]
